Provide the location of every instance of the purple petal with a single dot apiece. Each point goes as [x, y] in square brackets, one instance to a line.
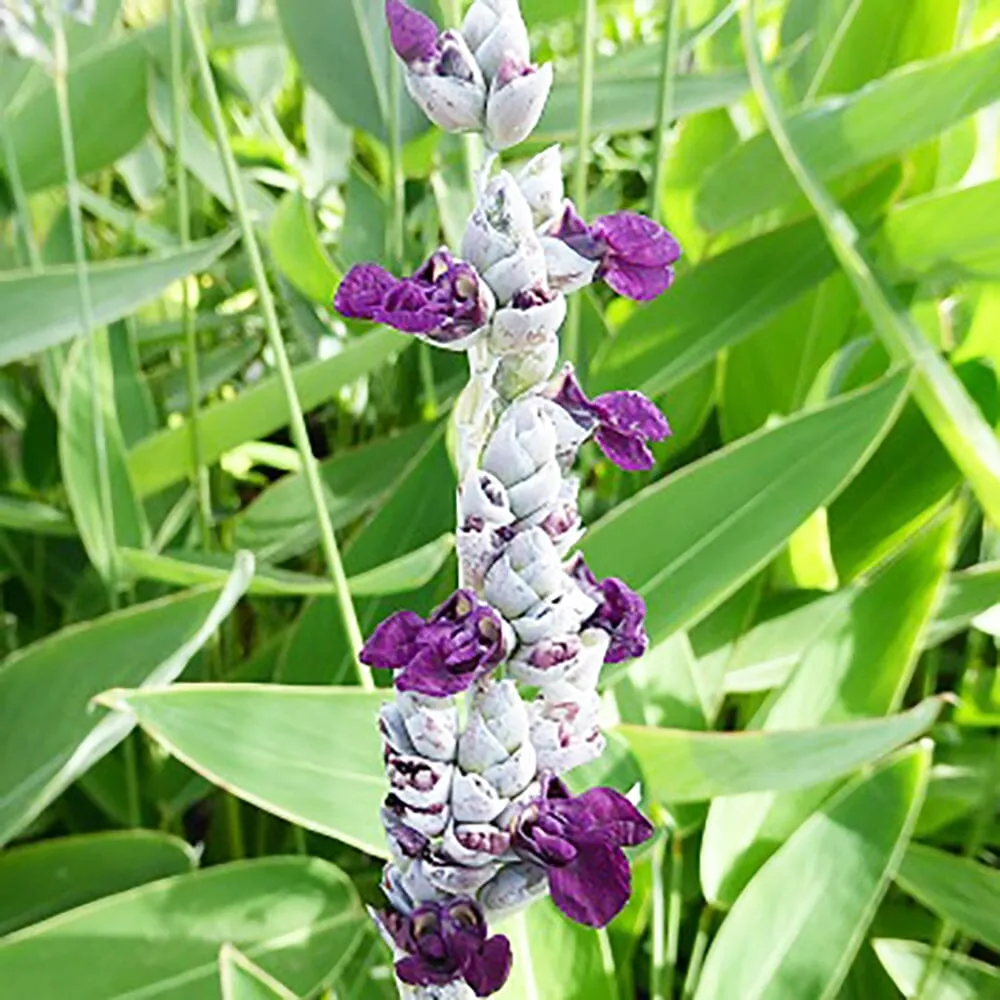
[363, 290]
[389, 645]
[414, 35]
[627, 451]
[632, 411]
[511, 69]
[622, 615]
[637, 240]
[489, 970]
[595, 888]
[614, 817]
[427, 674]
[641, 284]
[574, 401]
[577, 235]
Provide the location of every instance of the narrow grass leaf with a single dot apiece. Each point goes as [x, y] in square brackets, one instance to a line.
[958, 978]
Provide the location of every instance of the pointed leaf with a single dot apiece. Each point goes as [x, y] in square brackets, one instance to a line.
[958, 977]
[242, 980]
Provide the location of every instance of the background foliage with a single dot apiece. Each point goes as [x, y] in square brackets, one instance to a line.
[816, 726]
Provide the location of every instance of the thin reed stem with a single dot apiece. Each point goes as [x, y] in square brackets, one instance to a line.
[297, 420]
[675, 907]
[20, 198]
[666, 105]
[698, 953]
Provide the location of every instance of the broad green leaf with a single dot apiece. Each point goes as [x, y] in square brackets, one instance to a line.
[17, 514]
[555, 959]
[107, 96]
[191, 568]
[165, 458]
[795, 930]
[961, 780]
[49, 732]
[297, 251]
[956, 889]
[839, 134]
[80, 460]
[730, 513]
[685, 766]
[298, 918]
[949, 409]
[966, 234]
[242, 980]
[858, 667]
[342, 48]
[43, 310]
[52, 876]
[958, 977]
[310, 755]
[970, 595]
[280, 524]
[717, 304]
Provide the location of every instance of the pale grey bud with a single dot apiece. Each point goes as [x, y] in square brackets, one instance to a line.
[477, 547]
[450, 89]
[475, 800]
[562, 521]
[419, 881]
[483, 497]
[533, 318]
[527, 572]
[429, 820]
[559, 616]
[456, 880]
[431, 724]
[405, 843]
[567, 270]
[565, 732]
[503, 711]
[511, 776]
[475, 844]
[562, 666]
[494, 29]
[517, 373]
[541, 183]
[516, 100]
[514, 887]
[524, 441]
[418, 782]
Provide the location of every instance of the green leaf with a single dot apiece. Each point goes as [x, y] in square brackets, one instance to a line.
[52, 876]
[795, 930]
[192, 568]
[957, 978]
[969, 595]
[555, 959]
[297, 251]
[17, 514]
[715, 305]
[730, 513]
[42, 310]
[299, 918]
[165, 458]
[242, 980]
[858, 667]
[80, 462]
[310, 755]
[949, 409]
[685, 766]
[956, 889]
[839, 134]
[279, 524]
[49, 732]
[342, 47]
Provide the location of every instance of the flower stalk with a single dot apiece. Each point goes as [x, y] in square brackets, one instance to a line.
[478, 818]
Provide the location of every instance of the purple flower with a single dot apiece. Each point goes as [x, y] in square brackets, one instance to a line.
[444, 302]
[622, 422]
[579, 840]
[461, 642]
[634, 254]
[414, 35]
[446, 942]
[622, 613]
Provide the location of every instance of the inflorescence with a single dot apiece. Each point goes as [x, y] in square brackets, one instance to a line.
[478, 818]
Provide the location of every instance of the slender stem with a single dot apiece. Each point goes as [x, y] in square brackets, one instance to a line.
[132, 797]
[396, 235]
[658, 928]
[666, 109]
[674, 908]
[59, 75]
[234, 827]
[20, 198]
[202, 482]
[431, 405]
[297, 420]
[698, 953]
[585, 104]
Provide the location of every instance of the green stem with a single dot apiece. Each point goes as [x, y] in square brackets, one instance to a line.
[297, 420]
[20, 198]
[674, 908]
[59, 79]
[585, 105]
[666, 109]
[132, 797]
[234, 827]
[698, 953]
[658, 928]
[396, 235]
[202, 482]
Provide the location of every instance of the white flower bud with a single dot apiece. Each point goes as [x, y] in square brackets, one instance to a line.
[541, 183]
[475, 844]
[393, 729]
[518, 373]
[506, 716]
[494, 29]
[565, 732]
[483, 497]
[418, 782]
[456, 880]
[527, 572]
[451, 91]
[563, 666]
[477, 548]
[524, 441]
[511, 776]
[417, 882]
[514, 887]
[514, 106]
[474, 799]
[515, 330]
[559, 616]
[405, 843]
[431, 724]
[524, 268]
[561, 521]
[538, 492]
[478, 748]
[567, 270]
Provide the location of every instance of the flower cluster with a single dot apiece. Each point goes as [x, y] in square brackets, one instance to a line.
[478, 818]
